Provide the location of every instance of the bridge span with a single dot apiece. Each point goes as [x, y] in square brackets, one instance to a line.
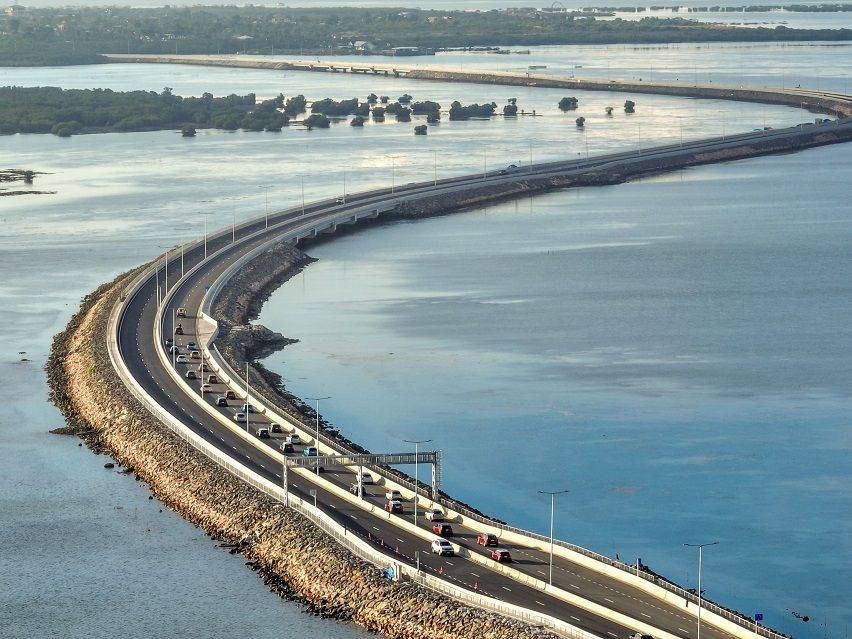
[590, 595]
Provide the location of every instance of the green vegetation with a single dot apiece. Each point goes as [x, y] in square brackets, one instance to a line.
[66, 112]
[568, 104]
[629, 106]
[459, 112]
[357, 121]
[511, 109]
[378, 114]
[73, 35]
[420, 129]
[341, 108]
[425, 108]
[316, 121]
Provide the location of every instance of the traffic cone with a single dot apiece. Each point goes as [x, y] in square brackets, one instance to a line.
[476, 585]
[441, 570]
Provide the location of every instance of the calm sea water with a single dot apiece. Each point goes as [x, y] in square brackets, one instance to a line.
[675, 352]
[90, 551]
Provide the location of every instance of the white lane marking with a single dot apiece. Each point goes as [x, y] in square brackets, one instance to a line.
[475, 575]
[540, 603]
[645, 615]
[400, 540]
[611, 634]
[375, 528]
[574, 586]
[449, 563]
[682, 630]
[609, 600]
[575, 618]
[504, 588]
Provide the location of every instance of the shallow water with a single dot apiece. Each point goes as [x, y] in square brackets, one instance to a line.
[84, 557]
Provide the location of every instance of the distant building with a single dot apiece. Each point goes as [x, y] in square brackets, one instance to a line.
[14, 10]
[363, 46]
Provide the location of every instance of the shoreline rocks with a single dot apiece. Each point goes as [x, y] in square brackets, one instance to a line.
[295, 559]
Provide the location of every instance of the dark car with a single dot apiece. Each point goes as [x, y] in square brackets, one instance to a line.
[178, 330]
[287, 447]
[212, 378]
[445, 530]
[221, 401]
[191, 375]
[230, 394]
[276, 428]
[169, 342]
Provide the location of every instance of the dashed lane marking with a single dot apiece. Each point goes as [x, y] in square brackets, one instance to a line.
[507, 589]
[540, 603]
[645, 615]
[574, 586]
[609, 600]
[575, 618]
[475, 575]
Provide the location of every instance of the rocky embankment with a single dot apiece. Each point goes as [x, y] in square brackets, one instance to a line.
[294, 558]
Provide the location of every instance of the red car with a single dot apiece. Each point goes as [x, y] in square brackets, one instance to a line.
[501, 555]
[394, 506]
[445, 530]
[230, 394]
[486, 539]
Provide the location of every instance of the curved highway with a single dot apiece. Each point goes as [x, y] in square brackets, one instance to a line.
[138, 348]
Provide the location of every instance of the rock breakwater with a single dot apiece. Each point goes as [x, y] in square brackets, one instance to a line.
[294, 558]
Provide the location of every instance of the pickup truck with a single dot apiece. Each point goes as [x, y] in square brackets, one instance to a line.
[436, 514]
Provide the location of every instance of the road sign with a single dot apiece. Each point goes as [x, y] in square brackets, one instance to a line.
[758, 616]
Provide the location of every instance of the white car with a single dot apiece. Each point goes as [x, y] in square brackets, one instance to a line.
[206, 388]
[393, 495]
[435, 514]
[181, 359]
[240, 418]
[442, 547]
[293, 439]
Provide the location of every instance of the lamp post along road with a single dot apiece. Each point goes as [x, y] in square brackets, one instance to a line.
[416, 443]
[700, 549]
[316, 438]
[552, 494]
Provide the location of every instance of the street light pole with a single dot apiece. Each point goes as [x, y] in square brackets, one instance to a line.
[302, 181]
[552, 494]
[700, 548]
[316, 440]
[416, 443]
[266, 195]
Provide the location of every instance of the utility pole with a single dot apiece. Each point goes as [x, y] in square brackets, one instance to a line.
[316, 440]
[552, 494]
[302, 181]
[248, 403]
[700, 548]
[416, 443]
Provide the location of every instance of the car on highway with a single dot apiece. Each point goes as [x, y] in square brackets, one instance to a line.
[178, 330]
[486, 539]
[502, 555]
[194, 355]
[181, 312]
[509, 169]
[338, 200]
[206, 388]
[639, 635]
[173, 349]
[287, 447]
[247, 408]
[230, 394]
[367, 478]
[355, 488]
[293, 439]
[445, 530]
[192, 346]
[309, 451]
[394, 506]
[203, 367]
[191, 375]
[393, 494]
[240, 418]
[181, 359]
[212, 378]
[276, 428]
[169, 342]
[221, 401]
[435, 514]
[442, 547]
[263, 432]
